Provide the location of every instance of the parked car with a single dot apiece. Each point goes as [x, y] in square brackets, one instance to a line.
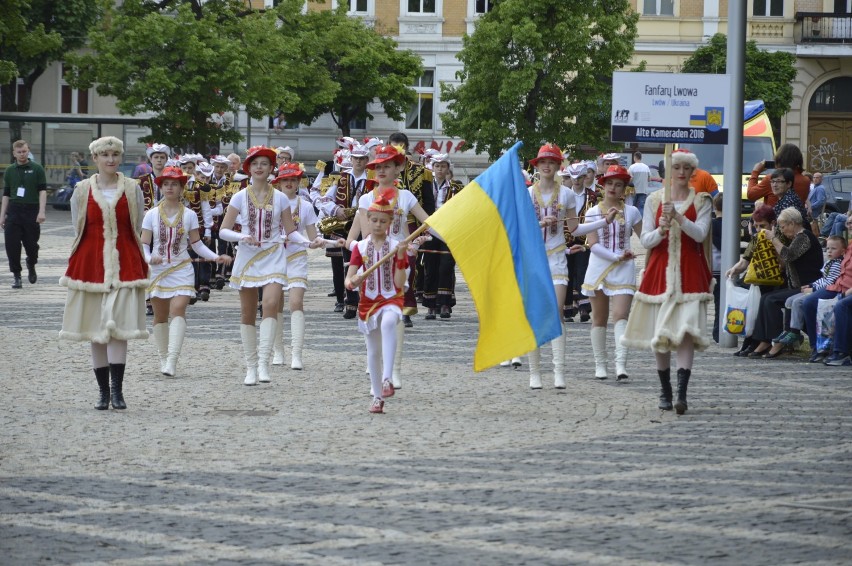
[838, 191]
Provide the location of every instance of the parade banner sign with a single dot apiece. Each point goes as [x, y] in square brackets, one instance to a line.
[670, 107]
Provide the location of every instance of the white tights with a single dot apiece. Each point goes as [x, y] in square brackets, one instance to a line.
[381, 348]
[685, 355]
[113, 352]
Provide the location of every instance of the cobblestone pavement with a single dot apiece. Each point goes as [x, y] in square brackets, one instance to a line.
[463, 469]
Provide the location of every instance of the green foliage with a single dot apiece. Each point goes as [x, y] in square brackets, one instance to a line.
[540, 70]
[35, 33]
[190, 61]
[366, 65]
[768, 76]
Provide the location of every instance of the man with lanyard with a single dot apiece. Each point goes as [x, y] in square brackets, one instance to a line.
[418, 180]
[158, 155]
[343, 195]
[23, 211]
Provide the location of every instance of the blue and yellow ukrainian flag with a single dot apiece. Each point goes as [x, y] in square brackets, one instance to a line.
[492, 232]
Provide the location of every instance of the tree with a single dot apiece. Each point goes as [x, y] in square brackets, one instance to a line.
[34, 34]
[768, 76]
[188, 61]
[539, 70]
[366, 65]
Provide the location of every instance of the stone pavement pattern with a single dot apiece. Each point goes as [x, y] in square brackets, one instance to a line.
[464, 468]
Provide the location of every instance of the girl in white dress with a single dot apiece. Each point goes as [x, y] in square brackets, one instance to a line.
[305, 218]
[169, 230]
[388, 163]
[611, 276]
[264, 217]
[555, 209]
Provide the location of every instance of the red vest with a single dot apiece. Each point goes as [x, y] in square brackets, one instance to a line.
[89, 266]
[695, 275]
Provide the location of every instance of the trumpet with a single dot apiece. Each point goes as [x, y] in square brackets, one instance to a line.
[333, 224]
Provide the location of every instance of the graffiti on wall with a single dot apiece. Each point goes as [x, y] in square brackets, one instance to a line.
[829, 156]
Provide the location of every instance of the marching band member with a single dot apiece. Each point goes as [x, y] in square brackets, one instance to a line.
[670, 309]
[305, 219]
[555, 208]
[107, 274]
[169, 230]
[158, 154]
[438, 263]
[341, 202]
[199, 197]
[388, 163]
[261, 263]
[416, 179]
[578, 256]
[610, 279]
[380, 309]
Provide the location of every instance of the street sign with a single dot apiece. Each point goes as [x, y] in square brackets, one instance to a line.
[670, 108]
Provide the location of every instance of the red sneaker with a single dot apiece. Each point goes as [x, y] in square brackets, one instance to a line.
[377, 406]
[387, 388]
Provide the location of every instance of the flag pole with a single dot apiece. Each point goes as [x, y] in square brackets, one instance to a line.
[423, 227]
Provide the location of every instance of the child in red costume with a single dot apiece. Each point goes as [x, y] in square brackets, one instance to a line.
[380, 308]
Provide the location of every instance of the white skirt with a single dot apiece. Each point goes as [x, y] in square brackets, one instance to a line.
[256, 266]
[100, 317]
[662, 327]
[620, 280]
[558, 263]
[297, 270]
[171, 280]
[372, 322]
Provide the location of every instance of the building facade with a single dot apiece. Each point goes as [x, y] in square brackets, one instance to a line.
[818, 32]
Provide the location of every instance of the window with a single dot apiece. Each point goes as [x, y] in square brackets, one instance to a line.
[482, 6]
[421, 6]
[420, 115]
[358, 124]
[356, 6]
[658, 8]
[72, 100]
[773, 8]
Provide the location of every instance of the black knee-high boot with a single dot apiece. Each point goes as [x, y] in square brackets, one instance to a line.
[117, 373]
[682, 382]
[102, 375]
[665, 389]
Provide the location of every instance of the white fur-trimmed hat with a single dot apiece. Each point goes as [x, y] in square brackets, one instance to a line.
[442, 158]
[220, 159]
[106, 143]
[286, 149]
[359, 151]
[193, 157]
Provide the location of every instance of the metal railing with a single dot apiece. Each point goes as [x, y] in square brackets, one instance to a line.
[823, 27]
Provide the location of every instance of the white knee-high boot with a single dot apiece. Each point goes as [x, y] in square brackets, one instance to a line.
[620, 350]
[177, 330]
[599, 349]
[161, 337]
[535, 369]
[396, 376]
[266, 336]
[297, 338]
[248, 333]
[558, 345]
[278, 345]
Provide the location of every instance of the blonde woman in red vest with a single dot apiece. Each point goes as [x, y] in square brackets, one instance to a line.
[669, 311]
[107, 273]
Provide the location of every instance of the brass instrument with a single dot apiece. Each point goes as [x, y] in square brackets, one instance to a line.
[332, 224]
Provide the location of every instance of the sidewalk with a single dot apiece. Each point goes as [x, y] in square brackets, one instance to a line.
[464, 468]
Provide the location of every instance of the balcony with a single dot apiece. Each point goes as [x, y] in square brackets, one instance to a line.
[823, 28]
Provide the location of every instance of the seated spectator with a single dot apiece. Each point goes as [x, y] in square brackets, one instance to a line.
[835, 225]
[792, 337]
[842, 289]
[802, 260]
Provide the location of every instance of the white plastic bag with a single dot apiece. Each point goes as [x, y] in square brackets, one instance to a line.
[741, 309]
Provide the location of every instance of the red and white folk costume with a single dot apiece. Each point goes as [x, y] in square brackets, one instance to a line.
[107, 273]
[380, 307]
[677, 282]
